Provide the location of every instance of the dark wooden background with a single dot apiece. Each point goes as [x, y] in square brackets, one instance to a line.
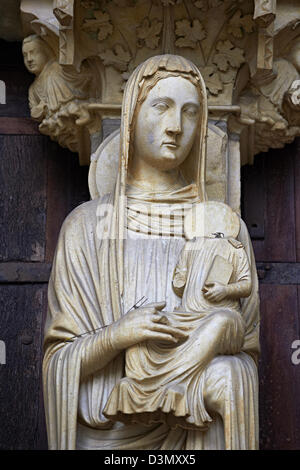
[271, 208]
[40, 183]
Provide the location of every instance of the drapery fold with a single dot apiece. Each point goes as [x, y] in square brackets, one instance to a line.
[79, 301]
[88, 290]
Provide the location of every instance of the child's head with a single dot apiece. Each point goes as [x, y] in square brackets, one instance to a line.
[211, 219]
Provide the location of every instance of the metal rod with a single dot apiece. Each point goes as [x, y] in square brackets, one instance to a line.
[136, 305]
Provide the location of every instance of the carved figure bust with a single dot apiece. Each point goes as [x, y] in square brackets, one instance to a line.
[275, 106]
[123, 247]
[59, 96]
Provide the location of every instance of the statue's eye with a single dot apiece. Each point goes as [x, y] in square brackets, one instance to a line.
[161, 106]
[191, 111]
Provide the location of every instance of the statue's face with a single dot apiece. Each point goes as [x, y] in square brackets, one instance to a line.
[35, 58]
[166, 124]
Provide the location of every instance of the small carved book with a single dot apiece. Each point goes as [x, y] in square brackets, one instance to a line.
[220, 271]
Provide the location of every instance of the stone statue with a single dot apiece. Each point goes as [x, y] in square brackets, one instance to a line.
[291, 98]
[123, 247]
[275, 106]
[59, 96]
[160, 381]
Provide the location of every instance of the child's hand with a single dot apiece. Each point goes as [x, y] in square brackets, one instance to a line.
[214, 292]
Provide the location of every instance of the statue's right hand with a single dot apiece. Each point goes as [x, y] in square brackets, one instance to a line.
[144, 324]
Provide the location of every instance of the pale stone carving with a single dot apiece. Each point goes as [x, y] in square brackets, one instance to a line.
[149, 33]
[240, 47]
[240, 24]
[161, 382]
[115, 250]
[59, 97]
[216, 164]
[268, 118]
[169, 27]
[64, 12]
[273, 106]
[105, 162]
[264, 16]
[118, 57]
[189, 34]
[265, 12]
[208, 218]
[100, 25]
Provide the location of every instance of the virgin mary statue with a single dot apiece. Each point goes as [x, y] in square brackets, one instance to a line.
[124, 246]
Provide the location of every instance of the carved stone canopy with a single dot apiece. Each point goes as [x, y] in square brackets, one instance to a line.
[248, 53]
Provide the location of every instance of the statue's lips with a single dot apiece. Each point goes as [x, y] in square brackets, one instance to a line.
[170, 144]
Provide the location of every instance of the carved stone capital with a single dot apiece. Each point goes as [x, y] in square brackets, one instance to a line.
[247, 52]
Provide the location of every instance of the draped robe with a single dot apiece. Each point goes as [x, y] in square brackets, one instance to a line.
[80, 301]
[97, 276]
[164, 382]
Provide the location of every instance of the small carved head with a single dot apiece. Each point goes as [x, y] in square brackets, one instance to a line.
[36, 53]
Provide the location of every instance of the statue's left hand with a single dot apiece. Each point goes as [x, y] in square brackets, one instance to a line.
[214, 292]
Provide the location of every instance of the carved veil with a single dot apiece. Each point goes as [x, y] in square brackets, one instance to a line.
[192, 169]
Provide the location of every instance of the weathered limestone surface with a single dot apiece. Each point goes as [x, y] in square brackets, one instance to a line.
[152, 335]
[247, 52]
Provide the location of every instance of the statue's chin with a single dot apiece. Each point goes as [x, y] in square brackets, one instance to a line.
[169, 161]
[34, 70]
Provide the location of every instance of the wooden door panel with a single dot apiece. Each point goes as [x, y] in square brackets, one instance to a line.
[279, 377]
[297, 196]
[67, 187]
[279, 241]
[278, 254]
[17, 81]
[23, 309]
[22, 197]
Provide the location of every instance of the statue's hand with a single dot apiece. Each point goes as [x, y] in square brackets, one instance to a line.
[144, 324]
[214, 292]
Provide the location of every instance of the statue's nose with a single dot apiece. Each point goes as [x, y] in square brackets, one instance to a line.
[29, 59]
[174, 125]
[174, 128]
[173, 131]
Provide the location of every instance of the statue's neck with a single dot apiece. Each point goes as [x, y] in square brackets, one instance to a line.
[154, 179]
[44, 71]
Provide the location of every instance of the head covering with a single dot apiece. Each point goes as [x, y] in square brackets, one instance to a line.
[193, 167]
